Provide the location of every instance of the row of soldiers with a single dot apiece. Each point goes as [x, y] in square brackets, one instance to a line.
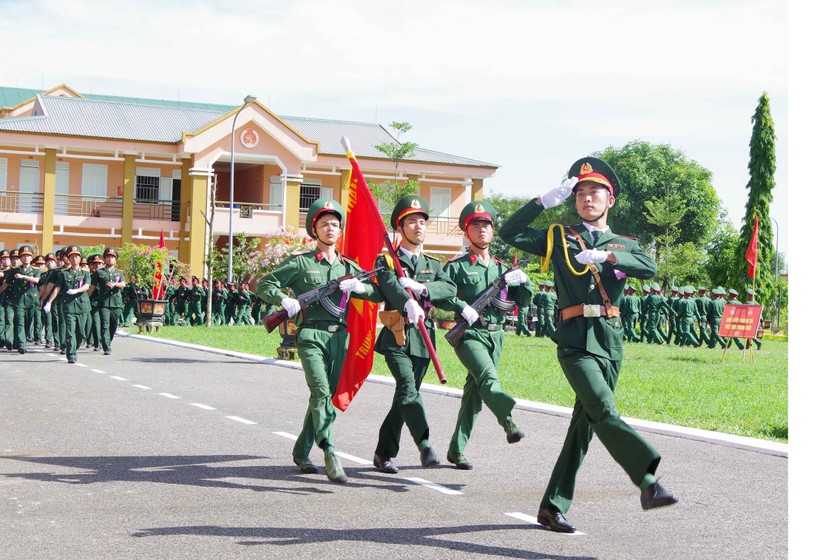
[688, 317]
[233, 303]
[541, 312]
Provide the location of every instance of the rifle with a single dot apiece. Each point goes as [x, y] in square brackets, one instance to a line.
[319, 295]
[424, 332]
[489, 296]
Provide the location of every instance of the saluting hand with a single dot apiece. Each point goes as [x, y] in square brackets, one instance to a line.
[559, 193]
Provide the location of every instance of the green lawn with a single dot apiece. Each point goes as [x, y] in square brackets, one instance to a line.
[693, 387]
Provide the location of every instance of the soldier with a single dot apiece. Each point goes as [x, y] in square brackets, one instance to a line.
[687, 317]
[22, 284]
[321, 338]
[196, 297]
[733, 299]
[550, 308]
[72, 284]
[522, 321]
[538, 303]
[35, 329]
[589, 333]
[220, 295]
[481, 346]
[401, 342]
[659, 311]
[109, 282]
[50, 322]
[93, 329]
[244, 297]
[703, 302]
[7, 317]
[633, 307]
[169, 315]
[181, 301]
[714, 314]
[644, 313]
[671, 305]
[232, 301]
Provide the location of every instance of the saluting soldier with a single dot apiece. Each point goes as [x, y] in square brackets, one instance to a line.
[480, 349]
[22, 285]
[589, 333]
[35, 329]
[72, 284]
[109, 282]
[321, 338]
[401, 342]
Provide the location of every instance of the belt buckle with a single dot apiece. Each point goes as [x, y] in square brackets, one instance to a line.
[591, 310]
[332, 328]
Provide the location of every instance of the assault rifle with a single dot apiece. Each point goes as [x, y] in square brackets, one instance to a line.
[320, 295]
[490, 296]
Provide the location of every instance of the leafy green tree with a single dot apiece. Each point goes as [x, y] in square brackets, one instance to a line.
[141, 260]
[391, 190]
[720, 254]
[762, 168]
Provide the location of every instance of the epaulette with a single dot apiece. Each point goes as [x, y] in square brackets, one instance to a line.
[458, 257]
[301, 252]
[627, 236]
[432, 257]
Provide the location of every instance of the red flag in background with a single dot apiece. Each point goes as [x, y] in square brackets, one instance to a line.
[752, 250]
[158, 289]
[362, 242]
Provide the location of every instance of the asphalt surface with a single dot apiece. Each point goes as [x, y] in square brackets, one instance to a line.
[165, 451]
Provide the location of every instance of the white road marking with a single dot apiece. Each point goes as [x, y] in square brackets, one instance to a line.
[79, 364]
[204, 406]
[97, 370]
[238, 419]
[169, 395]
[118, 378]
[433, 486]
[141, 386]
[533, 520]
[353, 458]
[286, 435]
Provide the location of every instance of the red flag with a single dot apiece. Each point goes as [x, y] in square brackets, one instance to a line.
[752, 250]
[157, 291]
[362, 242]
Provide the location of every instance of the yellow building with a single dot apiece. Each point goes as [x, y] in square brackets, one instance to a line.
[91, 169]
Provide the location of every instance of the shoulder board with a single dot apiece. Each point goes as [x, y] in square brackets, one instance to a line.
[389, 260]
[627, 237]
[301, 252]
[432, 257]
[458, 257]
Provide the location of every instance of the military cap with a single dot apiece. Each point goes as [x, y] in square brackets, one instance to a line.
[407, 205]
[750, 291]
[719, 291]
[73, 250]
[689, 289]
[320, 207]
[4, 253]
[111, 251]
[630, 288]
[645, 288]
[678, 290]
[96, 258]
[477, 210]
[25, 250]
[549, 283]
[49, 257]
[596, 170]
[14, 254]
[656, 287]
[39, 260]
[733, 292]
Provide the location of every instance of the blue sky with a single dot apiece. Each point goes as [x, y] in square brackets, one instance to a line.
[530, 85]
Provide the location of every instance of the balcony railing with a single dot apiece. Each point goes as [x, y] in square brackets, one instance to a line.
[88, 206]
[246, 209]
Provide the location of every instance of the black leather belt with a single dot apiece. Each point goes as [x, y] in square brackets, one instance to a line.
[323, 326]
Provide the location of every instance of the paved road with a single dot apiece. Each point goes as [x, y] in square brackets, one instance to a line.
[161, 451]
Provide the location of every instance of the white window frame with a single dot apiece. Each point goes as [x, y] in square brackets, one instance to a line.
[439, 192]
[94, 181]
[28, 193]
[152, 172]
[4, 169]
[62, 187]
[277, 193]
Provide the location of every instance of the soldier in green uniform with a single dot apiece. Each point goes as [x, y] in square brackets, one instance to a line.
[633, 307]
[47, 318]
[550, 312]
[671, 305]
[181, 301]
[687, 317]
[644, 313]
[733, 299]
[22, 285]
[321, 338]
[714, 314]
[93, 329]
[35, 329]
[400, 341]
[538, 303]
[703, 302]
[169, 315]
[589, 333]
[109, 282]
[54, 313]
[196, 297]
[72, 284]
[7, 318]
[230, 306]
[220, 295]
[244, 297]
[522, 320]
[659, 314]
[481, 346]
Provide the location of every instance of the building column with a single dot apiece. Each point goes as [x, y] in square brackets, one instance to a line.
[129, 170]
[183, 210]
[48, 217]
[291, 205]
[198, 224]
[477, 189]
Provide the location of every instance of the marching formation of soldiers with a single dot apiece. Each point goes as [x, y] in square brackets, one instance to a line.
[233, 303]
[688, 317]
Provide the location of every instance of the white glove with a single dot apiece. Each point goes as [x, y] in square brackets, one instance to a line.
[414, 312]
[291, 305]
[72, 291]
[515, 277]
[352, 285]
[559, 193]
[470, 315]
[418, 288]
[47, 307]
[591, 256]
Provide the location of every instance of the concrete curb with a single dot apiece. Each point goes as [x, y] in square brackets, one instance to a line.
[716, 438]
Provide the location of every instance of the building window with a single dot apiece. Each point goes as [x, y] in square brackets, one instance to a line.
[3, 166]
[147, 185]
[94, 181]
[310, 191]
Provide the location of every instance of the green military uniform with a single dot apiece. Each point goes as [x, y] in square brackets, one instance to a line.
[671, 305]
[549, 308]
[321, 338]
[481, 346]
[714, 314]
[733, 299]
[589, 334]
[751, 301]
[109, 299]
[93, 329]
[220, 295]
[407, 359]
[169, 315]
[22, 285]
[522, 321]
[659, 314]
[46, 279]
[230, 305]
[687, 317]
[196, 298]
[6, 313]
[703, 303]
[72, 285]
[181, 301]
[538, 303]
[644, 314]
[632, 308]
[242, 310]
